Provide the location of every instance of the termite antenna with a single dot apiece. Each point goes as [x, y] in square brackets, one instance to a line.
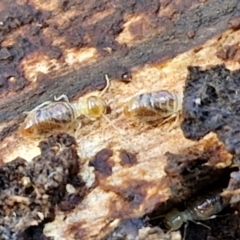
[104, 116]
[62, 97]
[112, 124]
[107, 85]
[185, 230]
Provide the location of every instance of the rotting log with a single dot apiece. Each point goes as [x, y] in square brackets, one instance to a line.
[66, 47]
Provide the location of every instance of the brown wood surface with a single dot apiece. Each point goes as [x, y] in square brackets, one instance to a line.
[66, 47]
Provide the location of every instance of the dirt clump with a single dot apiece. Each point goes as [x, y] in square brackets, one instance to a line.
[31, 190]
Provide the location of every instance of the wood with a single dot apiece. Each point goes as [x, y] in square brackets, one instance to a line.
[67, 47]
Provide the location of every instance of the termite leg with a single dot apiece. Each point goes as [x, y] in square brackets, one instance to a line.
[144, 126]
[26, 112]
[180, 98]
[43, 104]
[38, 107]
[174, 124]
[78, 126]
[186, 225]
[185, 230]
[63, 96]
[204, 225]
[169, 231]
[176, 121]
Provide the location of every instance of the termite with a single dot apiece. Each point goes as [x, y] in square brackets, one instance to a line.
[61, 114]
[200, 210]
[153, 106]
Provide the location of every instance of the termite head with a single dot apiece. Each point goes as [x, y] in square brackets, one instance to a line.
[174, 219]
[96, 107]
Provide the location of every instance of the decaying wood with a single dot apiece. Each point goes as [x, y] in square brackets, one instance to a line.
[63, 47]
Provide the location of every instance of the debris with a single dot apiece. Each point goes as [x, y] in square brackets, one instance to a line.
[30, 190]
[211, 103]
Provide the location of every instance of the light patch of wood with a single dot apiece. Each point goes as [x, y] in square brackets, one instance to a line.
[24, 148]
[101, 206]
[36, 63]
[47, 6]
[126, 37]
[77, 57]
[97, 17]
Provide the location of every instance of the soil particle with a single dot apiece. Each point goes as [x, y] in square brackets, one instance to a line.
[212, 104]
[232, 191]
[72, 200]
[102, 162]
[30, 190]
[190, 173]
[231, 52]
[234, 23]
[127, 158]
[33, 233]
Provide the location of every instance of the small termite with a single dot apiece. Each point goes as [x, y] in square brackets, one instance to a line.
[153, 106]
[200, 210]
[61, 114]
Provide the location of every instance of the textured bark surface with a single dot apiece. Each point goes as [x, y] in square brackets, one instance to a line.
[66, 47]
